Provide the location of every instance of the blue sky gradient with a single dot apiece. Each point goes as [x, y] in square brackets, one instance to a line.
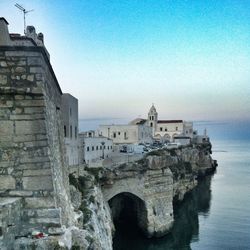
[190, 58]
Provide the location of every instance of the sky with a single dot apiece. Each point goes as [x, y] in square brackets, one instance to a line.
[190, 58]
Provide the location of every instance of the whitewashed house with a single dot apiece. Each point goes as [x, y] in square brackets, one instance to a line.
[135, 132]
[93, 147]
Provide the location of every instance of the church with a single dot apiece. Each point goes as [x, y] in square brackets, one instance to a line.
[167, 130]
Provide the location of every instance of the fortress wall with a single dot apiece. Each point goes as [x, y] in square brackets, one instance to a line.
[31, 139]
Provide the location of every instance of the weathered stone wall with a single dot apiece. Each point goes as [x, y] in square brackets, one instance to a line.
[157, 180]
[153, 185]
[31, 144]
[10, 221]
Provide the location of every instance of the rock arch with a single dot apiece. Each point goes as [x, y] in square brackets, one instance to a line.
[156, 212]
[127, 208]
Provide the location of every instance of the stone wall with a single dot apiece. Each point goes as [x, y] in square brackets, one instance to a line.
[10, 221]
[151, 183]
[31, 144]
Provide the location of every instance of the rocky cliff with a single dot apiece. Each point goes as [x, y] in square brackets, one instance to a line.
[159, 179]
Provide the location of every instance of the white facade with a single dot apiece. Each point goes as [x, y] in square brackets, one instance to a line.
[92, 147]
[70, 128]
[166, 130]
[182, 140]
[136, 132]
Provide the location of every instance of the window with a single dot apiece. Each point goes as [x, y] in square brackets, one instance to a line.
[108, 147]
[151, 124]
[93, 148]
[75, 132]
[119, 133]
[176, 128]
[104, 147]
[87, 148]
[71, 131]
[160, 128]
[96, 147]
[90, 135]
[186, 131]
[125, 135]
[114, 134]
[152, 118]
[65, 131]
[100, 147]
[166, 129]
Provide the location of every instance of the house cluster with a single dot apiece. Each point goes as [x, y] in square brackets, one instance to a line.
[93, 145]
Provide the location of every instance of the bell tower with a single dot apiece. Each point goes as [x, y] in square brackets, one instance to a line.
[152, 118]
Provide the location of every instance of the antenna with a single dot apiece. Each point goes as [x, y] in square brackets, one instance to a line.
[20, 7]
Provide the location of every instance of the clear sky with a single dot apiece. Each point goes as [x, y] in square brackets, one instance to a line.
[190, 58]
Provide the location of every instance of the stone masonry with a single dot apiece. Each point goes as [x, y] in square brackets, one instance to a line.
[31, 139]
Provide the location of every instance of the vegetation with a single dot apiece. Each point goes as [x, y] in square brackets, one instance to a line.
[159, 152]
[95, 172]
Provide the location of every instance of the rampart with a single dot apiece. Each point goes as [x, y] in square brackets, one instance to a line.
[31, 140]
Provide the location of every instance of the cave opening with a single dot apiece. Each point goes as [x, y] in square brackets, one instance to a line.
[129, 214]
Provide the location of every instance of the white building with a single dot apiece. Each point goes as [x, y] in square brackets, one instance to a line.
[93, 147]
[135, 132]
[166, 130]
[70, 127]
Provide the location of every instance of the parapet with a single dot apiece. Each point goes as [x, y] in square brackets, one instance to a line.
[30, 39]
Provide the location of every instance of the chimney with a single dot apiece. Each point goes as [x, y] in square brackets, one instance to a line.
[31, 32]
[4, 33]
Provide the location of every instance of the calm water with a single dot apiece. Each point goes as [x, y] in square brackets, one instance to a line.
[216, 215]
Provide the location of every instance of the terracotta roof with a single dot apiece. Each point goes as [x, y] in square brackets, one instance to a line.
[169, 121]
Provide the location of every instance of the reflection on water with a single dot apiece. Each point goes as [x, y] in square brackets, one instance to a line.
[185, 229]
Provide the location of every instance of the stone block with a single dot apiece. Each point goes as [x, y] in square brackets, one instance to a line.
[21, 53]
[35, 61]
[38, 172]
[3, 64]
[48, 213]
[36, 70]
[3, 80]
[6, 128]
[39, 202]
[49, 221]
[7, 182]
[30, 103]
[17, 111]
[27, 117]
[24, 138]
[41, 159]
[56, 230]
[30, 78]
[21, 63]
[20, 70]
[33, 110]
[6, 104]
[30, 127]
[37, 183]
[19, 97]
[20, 193]
[7, 164]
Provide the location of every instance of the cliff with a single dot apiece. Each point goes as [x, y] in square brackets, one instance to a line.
[159, 179]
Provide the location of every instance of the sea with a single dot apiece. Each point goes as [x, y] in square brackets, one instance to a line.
[216, 214]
